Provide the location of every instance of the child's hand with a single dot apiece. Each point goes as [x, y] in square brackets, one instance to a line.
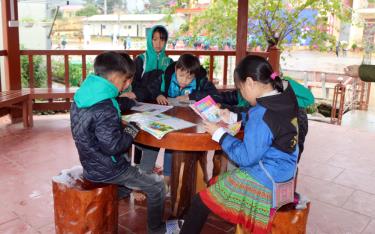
[161, 100]
[130, 95]
[352, 70]
[210, 127]
[183, 98]
[225, 115]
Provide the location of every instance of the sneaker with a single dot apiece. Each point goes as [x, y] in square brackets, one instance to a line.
[174, 226]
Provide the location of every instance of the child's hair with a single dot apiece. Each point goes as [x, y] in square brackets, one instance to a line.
[109, 62]
[162, 31]
[258, 69]
[189, 63]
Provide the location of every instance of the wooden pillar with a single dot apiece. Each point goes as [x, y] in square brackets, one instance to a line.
[11, 44]
[242, 18]
[274, 58]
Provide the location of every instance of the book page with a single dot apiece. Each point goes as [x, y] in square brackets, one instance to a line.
[208, 110]
[152, 108]
[175, 102]
[157, 125]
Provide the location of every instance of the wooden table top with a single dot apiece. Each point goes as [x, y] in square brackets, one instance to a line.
[189, 139]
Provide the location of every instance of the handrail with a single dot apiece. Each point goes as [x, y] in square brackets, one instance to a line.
[3, 52]
[83, 53]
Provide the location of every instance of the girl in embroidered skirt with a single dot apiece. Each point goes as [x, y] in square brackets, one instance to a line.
[268, 151]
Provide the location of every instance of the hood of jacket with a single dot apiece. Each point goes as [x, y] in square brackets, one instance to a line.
[284, 102]
[94, 90]
[151, 59]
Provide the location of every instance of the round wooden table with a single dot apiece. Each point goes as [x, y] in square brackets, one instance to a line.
[189, 146]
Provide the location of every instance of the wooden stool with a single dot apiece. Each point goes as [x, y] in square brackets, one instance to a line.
[287, 220]
[83, 207]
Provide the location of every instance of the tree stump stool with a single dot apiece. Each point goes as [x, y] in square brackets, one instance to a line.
[82, 206]
[287, 220]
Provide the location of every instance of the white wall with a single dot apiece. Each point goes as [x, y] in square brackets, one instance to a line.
[34, 37]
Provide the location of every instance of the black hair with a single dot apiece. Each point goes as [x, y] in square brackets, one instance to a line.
[162, 31]
[111, 61]
[189, 63]
[258, 69]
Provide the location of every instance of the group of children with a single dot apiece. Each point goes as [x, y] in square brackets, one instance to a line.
[268, 152]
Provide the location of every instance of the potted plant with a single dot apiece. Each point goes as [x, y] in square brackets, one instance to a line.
[354, 46]
[45, 23]
[27, 22]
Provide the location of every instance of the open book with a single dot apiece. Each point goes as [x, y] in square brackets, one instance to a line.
[149, 107]
[208, 110]
[175, 102]
[157, 124]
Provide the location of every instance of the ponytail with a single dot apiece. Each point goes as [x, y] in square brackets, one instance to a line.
[277, 83]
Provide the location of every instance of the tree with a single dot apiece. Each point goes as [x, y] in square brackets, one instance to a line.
[88, 10]
[272, 22]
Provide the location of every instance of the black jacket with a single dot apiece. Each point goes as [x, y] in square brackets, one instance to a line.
[204, 86]
[146, 87]
[100, 140]
[229, 100]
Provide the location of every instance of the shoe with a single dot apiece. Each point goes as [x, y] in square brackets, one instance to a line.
[174, 226]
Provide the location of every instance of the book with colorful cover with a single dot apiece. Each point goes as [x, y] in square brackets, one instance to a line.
[208, 110]
[157, 124]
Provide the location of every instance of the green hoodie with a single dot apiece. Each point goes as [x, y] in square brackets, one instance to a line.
[304, 96]
[153, 60]
[96, 89]
[241, 100]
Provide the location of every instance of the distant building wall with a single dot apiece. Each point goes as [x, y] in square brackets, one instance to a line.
[33, 32]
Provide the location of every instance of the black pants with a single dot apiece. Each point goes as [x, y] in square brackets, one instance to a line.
[196, 216]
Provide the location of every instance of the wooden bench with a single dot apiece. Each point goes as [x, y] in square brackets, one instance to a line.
[18, 99]
[27, 100]
[50, 94]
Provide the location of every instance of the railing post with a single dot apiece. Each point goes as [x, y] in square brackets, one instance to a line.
[339, 92]
[305, 79]
[31, 72]
[323, 81]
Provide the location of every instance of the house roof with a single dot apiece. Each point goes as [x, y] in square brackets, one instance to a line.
[127, 17]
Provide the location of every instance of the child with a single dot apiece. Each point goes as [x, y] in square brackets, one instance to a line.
[233, 101]
[150, 66]
[186, 80]
[268, 151]
[101, 140]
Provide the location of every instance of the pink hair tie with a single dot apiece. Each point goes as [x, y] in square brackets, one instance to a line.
[274, 75]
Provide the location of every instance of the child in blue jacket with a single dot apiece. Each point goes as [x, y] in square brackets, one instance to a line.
[268, 152]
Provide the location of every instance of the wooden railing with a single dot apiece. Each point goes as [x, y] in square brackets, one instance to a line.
[273, 55]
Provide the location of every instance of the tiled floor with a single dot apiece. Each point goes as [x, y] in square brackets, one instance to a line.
[337, 172]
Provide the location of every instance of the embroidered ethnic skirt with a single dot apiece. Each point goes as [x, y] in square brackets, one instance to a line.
[238, 198]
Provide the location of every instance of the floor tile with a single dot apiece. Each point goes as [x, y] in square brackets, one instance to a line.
[330, 219]
[16, 226]
[319, 170]
[362, 202]
[357, 181]
[324, 191]
[370, 229]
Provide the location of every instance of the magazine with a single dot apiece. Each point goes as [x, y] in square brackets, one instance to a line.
[208, 110]
[176, 102]
[151, 108]
[157, 124]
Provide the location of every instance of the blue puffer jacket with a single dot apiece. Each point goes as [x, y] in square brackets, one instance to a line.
[97, 131]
